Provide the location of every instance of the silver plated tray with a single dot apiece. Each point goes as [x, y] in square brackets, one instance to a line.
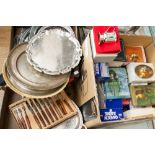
[34, 30]
[75, 122]
[22, 71]
[63, 28]
[23, 90]
[24, 37]
[54, 52]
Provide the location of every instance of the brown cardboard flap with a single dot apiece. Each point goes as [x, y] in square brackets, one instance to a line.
[86, 85]
[8, 121]
[150, 54]
[133, 40]
[94, 123]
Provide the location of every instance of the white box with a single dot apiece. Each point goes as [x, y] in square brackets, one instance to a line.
[136, 113]
[134, 78]
[100, 57]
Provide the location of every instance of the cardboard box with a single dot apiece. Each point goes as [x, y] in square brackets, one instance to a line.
[6, 33]
[114, 104]
[86, 86]
[135, 54]
[150, 53]
[134, 72]
[139, 113]
[5, 43]
[106, 45]
[100, 57]
[117, 85]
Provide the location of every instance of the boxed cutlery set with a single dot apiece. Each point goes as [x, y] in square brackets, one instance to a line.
[43, 113]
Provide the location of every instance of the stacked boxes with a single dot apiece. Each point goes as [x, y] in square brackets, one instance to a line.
[123, 80]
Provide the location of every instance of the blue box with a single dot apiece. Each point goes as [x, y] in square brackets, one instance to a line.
[98, 70]
[114, 104]
[104, 71]
[117, 85]
[108, 115]
[101, 71]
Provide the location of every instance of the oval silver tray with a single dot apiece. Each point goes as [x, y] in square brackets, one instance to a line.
[54, 52]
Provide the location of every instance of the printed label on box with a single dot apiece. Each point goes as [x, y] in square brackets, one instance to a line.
[111, 114]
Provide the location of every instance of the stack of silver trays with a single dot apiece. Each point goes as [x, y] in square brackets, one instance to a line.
[41, 67]
[26, 81]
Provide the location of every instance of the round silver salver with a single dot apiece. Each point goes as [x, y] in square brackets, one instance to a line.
[54, 52]
[25, 91]
[23, 77]
[63, 28]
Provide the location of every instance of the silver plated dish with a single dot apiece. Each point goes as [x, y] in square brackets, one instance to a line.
[21, 70]
[24, 36]
[75, 122]
[54, 52]
[34, 30]
[21, 77]
[24, 91]
[63, 28]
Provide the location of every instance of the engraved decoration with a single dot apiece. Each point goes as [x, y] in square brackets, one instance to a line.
[54, 51]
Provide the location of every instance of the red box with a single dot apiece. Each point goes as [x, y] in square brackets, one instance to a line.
[106, 47]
